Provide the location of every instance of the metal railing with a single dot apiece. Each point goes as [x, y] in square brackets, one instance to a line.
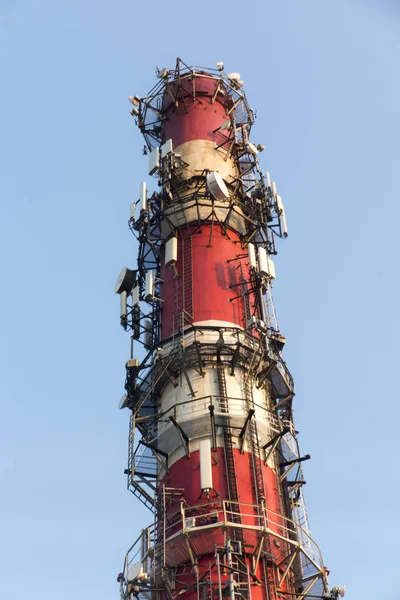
[187, 522]
[197, 407]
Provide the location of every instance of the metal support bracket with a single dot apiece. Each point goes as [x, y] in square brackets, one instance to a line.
[213, 432]
[290, 464]
[184, 438]
[235, 358]
[273, 443]
[242, 434]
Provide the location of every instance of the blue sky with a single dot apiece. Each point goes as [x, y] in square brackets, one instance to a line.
[323, 77]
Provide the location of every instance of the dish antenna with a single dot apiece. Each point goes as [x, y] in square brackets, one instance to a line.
[338, 591]
[136, 572]
[125, 282]
[252, 148]
[216, 186]
[123, 403]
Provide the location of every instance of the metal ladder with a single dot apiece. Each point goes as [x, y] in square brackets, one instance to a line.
[259, 488]
[255, 444]
[187, 280]
[245, 296]
[133, 486]
[167, 494]
[229, 454]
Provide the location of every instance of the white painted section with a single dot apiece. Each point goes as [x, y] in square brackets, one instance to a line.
[180, 215]
[204, 154]
[171, 251]
[216, 323]
[154, 161]
[193, 414]
[205, 466]
[232, 336]
[143, 196]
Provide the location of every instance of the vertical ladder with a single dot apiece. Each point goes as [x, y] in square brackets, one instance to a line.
[159, 539]
[177, 311]
[259, 488]
[131, 450]
[245, 296]
[229, 454]
[255, 444]
[187, 280]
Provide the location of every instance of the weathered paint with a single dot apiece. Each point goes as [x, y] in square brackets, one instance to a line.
[186, 474]
[206, 284]
[195, 117]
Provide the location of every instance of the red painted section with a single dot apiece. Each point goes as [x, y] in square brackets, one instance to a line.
[201, 288]
[185, 473]
[188, 470]
[186, 579]
[195, 118]
[185, 470]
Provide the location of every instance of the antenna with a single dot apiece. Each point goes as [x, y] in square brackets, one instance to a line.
[216, 186]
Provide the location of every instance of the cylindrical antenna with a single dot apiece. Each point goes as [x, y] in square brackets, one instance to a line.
[252, 255]
[143, 196]
[123, 304]
[135, 295]
[262, 261]
[149, 286]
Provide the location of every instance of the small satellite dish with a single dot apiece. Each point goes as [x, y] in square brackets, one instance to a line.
[123, 403]
[216, 186]
[220, 66]
[252, 148]
[136, 572]
[338, 591]
[226, 125]
[125, 282]
[234, 76]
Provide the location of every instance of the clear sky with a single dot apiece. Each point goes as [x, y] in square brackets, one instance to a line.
[324, 79]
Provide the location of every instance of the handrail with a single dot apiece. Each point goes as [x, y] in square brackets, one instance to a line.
[265, 522]
[201, 406]
[267, 519]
